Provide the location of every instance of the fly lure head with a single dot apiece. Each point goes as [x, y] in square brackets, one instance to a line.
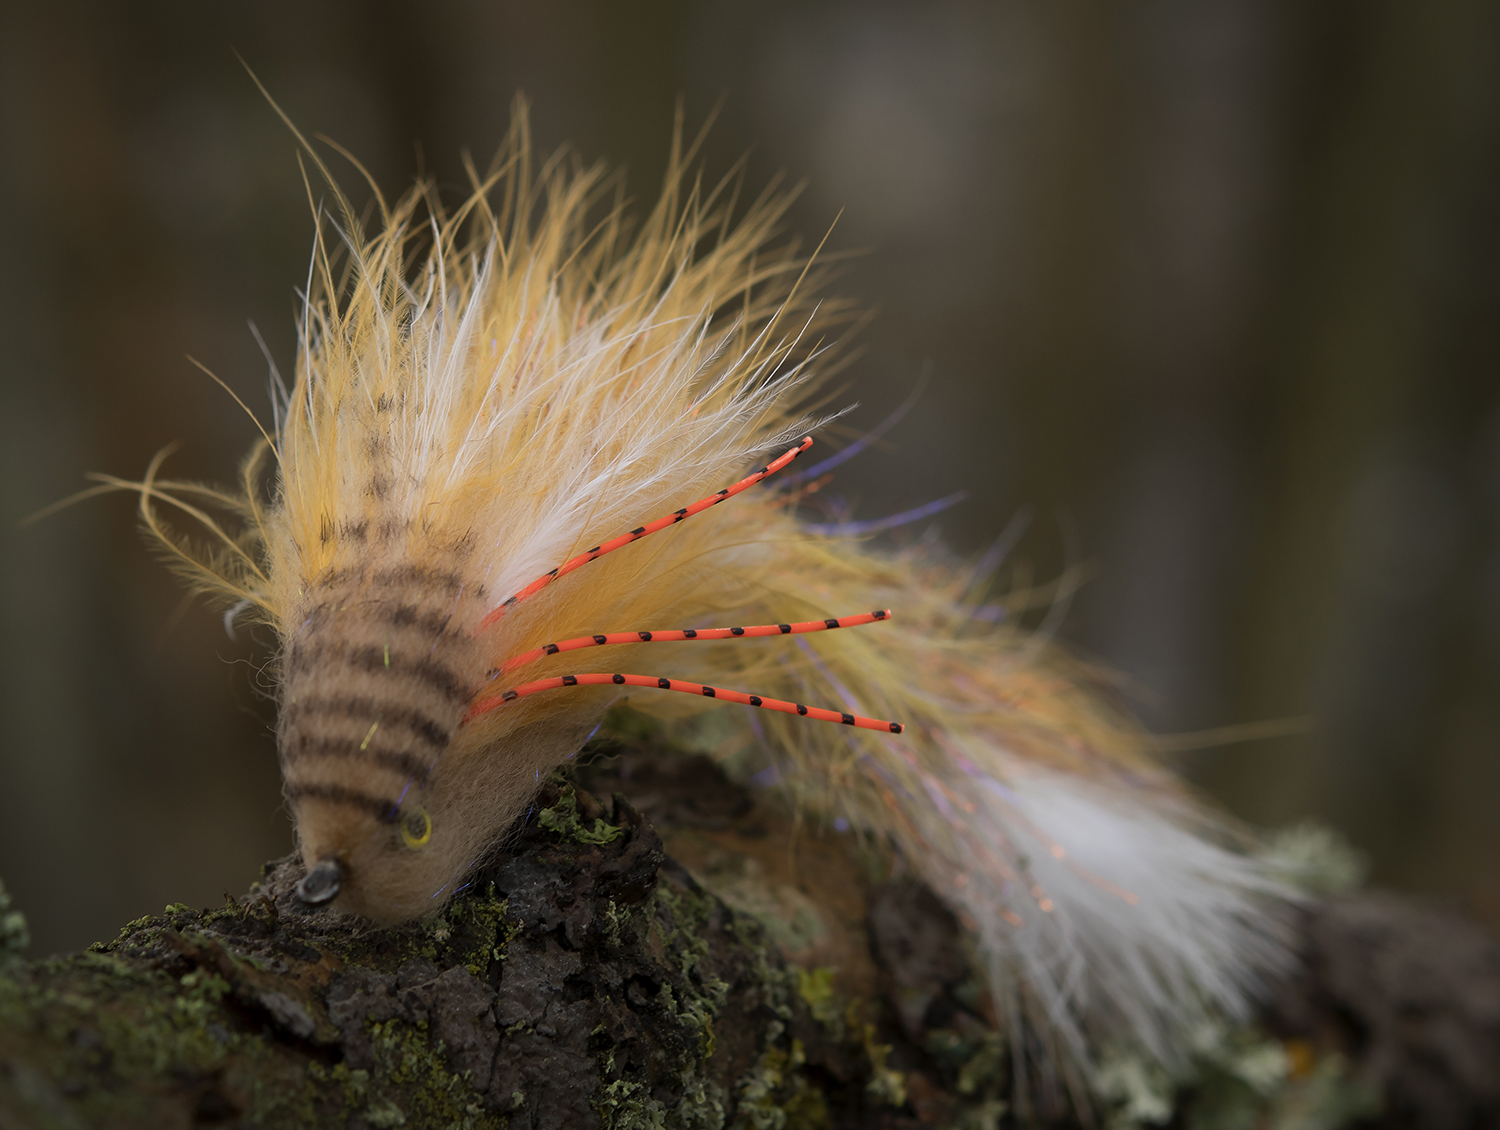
[376, 678]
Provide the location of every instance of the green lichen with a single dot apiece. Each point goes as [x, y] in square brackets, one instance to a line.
[1317, 859]
[687, 916]
[14, 934]
[351, 1085]
[105, 1025]
[777, 1091]
[1328, 1097]
[815, 987]
[624, 1105]
[695, 1014]
[563, 819]
[776, 1095]
[126, 931]
[886, 1084]
[616, 919]
[778, 983]
[1139, 1091]
[677, 919]
[974, 1061]
[485, 921]
[1234, 1079]
[702, 1104]
[416, 1084]
[472, 931]
[101, 1038]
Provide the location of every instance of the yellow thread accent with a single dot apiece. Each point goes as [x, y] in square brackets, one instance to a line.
[416, 841]
[388, 657]
[371, 734]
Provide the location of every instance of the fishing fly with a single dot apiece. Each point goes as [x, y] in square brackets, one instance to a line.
[489, 400]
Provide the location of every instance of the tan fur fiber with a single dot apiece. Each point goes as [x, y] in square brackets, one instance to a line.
[486, 391]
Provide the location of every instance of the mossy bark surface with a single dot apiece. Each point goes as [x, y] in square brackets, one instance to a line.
[582, 979]
[683, 955]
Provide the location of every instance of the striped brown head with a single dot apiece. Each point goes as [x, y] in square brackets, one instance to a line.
[376, 679]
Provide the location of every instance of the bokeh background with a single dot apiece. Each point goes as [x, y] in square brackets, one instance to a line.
[1211, 283]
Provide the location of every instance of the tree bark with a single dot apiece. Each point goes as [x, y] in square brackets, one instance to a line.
[752, 972]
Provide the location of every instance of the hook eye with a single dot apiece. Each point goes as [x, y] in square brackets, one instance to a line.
[416, 829]
[322, 883]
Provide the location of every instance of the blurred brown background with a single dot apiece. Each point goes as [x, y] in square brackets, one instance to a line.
[1215, 281]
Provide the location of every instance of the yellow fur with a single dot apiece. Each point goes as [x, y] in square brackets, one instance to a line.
[483, 393]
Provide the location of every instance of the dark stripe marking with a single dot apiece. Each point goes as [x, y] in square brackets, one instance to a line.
[353, 575]
[382, 809]
[382, 612]
[428, 729]
[436, 675]
[409, 615]
[415, 768]
[373, 659]
[419, 574]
